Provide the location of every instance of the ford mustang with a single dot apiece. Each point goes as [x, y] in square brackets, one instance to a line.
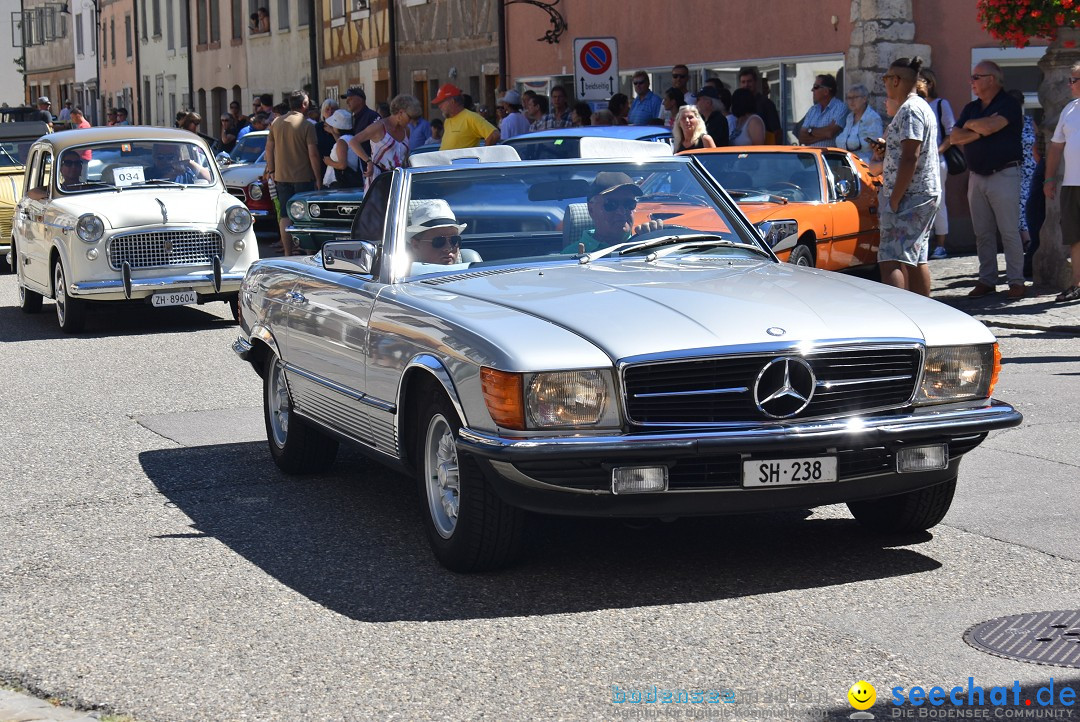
[614, 351]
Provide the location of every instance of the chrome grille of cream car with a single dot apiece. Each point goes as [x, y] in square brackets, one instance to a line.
[161, 249]
[721, 390]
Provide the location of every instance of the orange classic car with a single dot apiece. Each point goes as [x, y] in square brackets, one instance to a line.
[814, 206]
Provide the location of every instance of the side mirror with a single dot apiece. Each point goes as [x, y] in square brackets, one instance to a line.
[843, 188]
[349, 256]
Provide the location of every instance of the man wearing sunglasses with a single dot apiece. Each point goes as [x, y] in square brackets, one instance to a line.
[826, 117]
[612, 200]
[990, 130]
[433, 233]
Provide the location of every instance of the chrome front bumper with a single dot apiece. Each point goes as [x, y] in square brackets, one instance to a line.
[344, 232]
[199, 282]
[927, 422]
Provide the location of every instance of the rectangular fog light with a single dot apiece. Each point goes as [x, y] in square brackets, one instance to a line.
[638, 479]
[922, 458]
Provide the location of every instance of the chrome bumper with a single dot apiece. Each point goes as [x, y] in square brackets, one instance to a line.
[347, 232]
[926, 422]
[200, 282]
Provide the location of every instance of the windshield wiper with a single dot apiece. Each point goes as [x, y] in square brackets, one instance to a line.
[770, 197]
[696, 240]
[163, 182]
[91, 185]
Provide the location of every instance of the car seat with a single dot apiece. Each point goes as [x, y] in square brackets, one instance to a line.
[576, 221]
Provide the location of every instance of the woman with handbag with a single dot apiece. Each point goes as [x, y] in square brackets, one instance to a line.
[946, 120]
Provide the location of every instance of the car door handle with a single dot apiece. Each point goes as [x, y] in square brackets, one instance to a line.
[294, 297]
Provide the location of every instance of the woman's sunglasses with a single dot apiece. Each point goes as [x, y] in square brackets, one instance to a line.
[440, 241]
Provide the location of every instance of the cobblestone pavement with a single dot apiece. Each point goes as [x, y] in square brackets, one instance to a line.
[952, 278]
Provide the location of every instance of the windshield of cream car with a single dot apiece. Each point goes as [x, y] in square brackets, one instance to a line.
[580, 212]
[117, 166]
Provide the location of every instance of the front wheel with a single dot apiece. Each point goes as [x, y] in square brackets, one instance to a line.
[70, 311]
[296, 447]
[904, 513]
[469, 527]
[801, 256]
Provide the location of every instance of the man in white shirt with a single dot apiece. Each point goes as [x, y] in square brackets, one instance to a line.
[514, 123]
[1065, 145]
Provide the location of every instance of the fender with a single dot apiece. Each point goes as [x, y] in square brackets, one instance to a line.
[435, 368]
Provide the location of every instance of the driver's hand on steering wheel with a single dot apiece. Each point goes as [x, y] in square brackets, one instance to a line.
[653, 225]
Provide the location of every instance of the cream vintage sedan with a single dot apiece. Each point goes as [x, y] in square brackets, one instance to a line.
[127, 214]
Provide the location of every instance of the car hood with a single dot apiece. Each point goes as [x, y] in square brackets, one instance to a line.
[242, 174]
[757, 212]
[338, 195]
[151, 207]
[631, 309]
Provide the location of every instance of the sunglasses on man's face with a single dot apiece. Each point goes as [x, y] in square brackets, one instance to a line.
[817, 87]
[679, 76]
[976, 76]
[441, 241]
[613, 204]
[70, 163]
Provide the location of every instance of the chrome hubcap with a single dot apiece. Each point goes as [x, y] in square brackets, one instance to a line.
[277, 404]
[441, 474]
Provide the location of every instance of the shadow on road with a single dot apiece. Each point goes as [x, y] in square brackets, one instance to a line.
[352, 541]
[112, 319]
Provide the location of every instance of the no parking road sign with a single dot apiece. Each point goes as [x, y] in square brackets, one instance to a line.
[596, 68]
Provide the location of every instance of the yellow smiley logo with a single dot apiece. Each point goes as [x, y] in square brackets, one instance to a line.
[862, 695]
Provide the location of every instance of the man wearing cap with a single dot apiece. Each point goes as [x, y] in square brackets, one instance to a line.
[42, 113]
[433, 234]
[646, 104]
[612, 200]
[356, 101]
[714, 114]
[514, 122]
[462, 128]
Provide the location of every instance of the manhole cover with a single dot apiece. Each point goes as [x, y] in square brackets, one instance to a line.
[1051, 638]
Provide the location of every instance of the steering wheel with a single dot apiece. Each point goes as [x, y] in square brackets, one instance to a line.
[788, 190]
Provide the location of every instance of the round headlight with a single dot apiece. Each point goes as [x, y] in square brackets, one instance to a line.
[237, 219]
[314, 210]
[297, 209]
[255, 191]
[90, 228]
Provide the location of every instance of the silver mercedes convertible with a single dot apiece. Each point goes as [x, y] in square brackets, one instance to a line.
[607, 338]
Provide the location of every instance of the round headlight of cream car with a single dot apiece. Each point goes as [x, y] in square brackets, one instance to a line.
[237, 219]
[90, 228]
[255, 191]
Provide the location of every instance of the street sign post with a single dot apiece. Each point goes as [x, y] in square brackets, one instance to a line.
[596, 68]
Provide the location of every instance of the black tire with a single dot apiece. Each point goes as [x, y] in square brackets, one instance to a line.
[905, 513]
[296, 447]
[234, 307]
[469, 527]
[801, 256]
[70, 312]
[6, 267]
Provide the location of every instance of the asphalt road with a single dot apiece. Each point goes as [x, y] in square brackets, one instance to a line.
[154, 562]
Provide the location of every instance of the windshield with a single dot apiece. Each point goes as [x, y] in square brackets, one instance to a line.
[753, 177]
[249, 148]
[131, 164]
[545, 148]
[13, 153]
[483, 216]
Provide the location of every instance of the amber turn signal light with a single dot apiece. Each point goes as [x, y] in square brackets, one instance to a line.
[504, 397]
[996, 372]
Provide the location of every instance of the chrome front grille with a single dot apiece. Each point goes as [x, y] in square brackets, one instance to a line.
[721, 390]
[161, 249]
[336, 212]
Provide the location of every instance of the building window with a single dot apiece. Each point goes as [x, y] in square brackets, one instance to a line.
[78, 35]
[238, 20]
[337, 9]
[142, 11]
[156, 8]
[112, 38]
[215, 21]
[127, 36]
[169, 34]
[200, 11]
[283, 14]
[303, 15]
[184, 20]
